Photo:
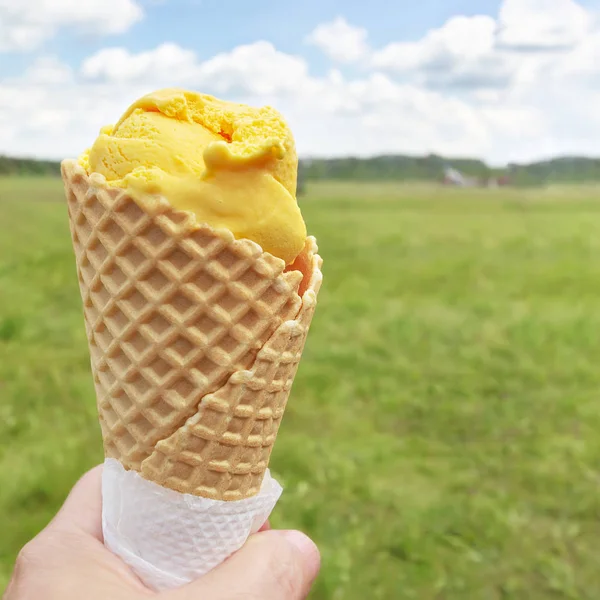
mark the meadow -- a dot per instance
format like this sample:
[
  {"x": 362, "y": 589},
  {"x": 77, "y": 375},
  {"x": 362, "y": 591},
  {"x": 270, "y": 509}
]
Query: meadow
[{"x": 442, "y": 438}]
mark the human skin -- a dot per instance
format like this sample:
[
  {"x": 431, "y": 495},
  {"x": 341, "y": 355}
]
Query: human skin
[{"x": 68, "y": 561}]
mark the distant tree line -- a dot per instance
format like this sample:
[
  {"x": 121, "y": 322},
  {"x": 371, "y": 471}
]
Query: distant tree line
[
  {"x": 392, "y": 168},
  {"x": 431, "y": 168},
  {"x": 389, "y": 168},
  {"x": 569, "y": 169},
  {"x": 27, "y": 166}
]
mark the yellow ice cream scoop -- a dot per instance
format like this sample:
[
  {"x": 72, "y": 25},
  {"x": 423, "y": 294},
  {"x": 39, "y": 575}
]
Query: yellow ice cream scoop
[{"x": 232, "y": 165}]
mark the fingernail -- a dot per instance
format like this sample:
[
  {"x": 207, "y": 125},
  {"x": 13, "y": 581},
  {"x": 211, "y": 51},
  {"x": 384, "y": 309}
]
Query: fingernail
[{"x": 305, "y": 545}]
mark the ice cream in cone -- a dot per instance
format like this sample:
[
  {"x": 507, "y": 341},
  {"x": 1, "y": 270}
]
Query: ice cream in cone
[{"x": 198, "y": 284}]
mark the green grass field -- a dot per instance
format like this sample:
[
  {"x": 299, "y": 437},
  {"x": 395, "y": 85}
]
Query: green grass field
[{"x": 443, "y": 436}]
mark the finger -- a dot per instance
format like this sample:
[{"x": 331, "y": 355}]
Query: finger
[
  {"x": 265, "y": 527},
  {"x": 82, "y": 510},
  {"x": 271, "y": 565}
]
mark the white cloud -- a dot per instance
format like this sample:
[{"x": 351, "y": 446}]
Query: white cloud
[
  {"x": 25, "y": 25},
  {"x": 582, "y": 63},
  {"x": 49, "y": 112},
  {"x": 256, "y": 68},
  {"x": 340, "y": 41},
  {"x": 331, "y": 114},
  {"x": 119, "y": 65},
  {"x": 531, "y": 43},
  {"x": 48, "y": 70},
  {"x": 462, "y": 52},
  {"x": 456, "y": 91},
  {"x": 464, "y": 37},
  {"x": 542, "y": 24}
]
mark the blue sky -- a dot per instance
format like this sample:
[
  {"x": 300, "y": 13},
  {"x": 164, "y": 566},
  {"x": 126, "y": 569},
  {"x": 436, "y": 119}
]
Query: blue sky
[
  {"x": 505, "y": 80},
  {"x": 213, "y": 26},
  {"x": 208, "y": 26}
]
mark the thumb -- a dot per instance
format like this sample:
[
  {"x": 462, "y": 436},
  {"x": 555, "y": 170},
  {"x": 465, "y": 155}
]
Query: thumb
[
  {"x": 82, "y": 510},
  {"x": 272, "y": 565}
]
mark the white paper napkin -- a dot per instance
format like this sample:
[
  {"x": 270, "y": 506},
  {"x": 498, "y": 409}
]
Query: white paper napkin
[{"x": 169, "y": 538}]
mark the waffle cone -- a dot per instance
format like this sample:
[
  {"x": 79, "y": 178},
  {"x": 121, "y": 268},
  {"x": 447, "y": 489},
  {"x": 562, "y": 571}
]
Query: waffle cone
[{"x": 194, "y": 338}]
